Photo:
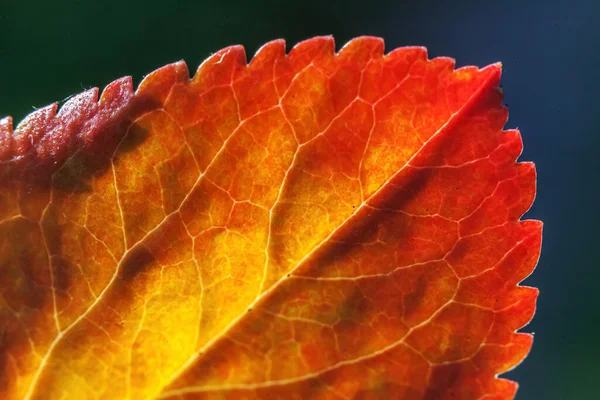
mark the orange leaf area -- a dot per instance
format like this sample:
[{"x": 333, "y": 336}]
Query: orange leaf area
[{"x": 308, "y": 225}]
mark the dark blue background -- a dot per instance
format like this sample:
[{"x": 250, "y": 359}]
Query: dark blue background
[{"x": 551, "y": 56}]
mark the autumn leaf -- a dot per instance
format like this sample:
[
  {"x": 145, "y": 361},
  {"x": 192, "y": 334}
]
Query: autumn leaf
[{"x": 310, "y": 225}]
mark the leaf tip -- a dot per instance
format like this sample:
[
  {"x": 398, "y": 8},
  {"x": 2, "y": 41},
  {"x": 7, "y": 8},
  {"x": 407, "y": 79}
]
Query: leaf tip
[{"x": 495, "y": 70}]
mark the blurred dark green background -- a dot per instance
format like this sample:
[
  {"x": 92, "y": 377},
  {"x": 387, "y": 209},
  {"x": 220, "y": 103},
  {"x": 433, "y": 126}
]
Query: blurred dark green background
[{"x": 551, "y": 55}]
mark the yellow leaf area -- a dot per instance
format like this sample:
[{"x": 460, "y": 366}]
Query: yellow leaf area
[{"x": 308, "y": 225}]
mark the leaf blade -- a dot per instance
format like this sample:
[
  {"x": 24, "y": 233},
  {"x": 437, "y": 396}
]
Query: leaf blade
[{"x": 235, "y": 170}]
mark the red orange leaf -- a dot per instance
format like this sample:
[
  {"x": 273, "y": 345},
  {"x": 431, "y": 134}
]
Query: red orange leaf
[{"x": 310, "y": 225}]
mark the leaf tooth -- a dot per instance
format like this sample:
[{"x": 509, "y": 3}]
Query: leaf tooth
[
  {"x": 448, "y": 63},
  {"x": 513, "y": 146},
  {"x": 77, "y": 109},
  {"x": 32, "y": 129},
  {"x": 6, "y": 138},
  {"x": 267, "y": 53},
  {"x": 403, "y": 52},
  {"x": 370, "y": 46},
  {"x": 315, "y": 48},
  {"x": 519, "y": 314},
  {"x": 106, "y": 113},
  {"x": 155, "y": 85},
  {"x": 220, "y": 67},
  {"x": 527, "y": 179},
  {"x": 116, "y": 94}
]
